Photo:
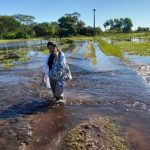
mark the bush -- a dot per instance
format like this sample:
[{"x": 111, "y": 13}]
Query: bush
[
  {"x": 9, "y": 35},
  {"x": 22, "y": 34}
]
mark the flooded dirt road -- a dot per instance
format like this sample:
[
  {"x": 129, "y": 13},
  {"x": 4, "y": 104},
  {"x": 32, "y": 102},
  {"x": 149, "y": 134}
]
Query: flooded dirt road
[{"x": 101, "y": 86}]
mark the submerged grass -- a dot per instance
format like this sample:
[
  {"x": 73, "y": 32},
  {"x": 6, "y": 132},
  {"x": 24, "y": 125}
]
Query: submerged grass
[
  {"x": 9, "y": 62},
  {"x": 22, "y": 53},
  {"x": 90, "y": 46},
  {"x": 90, "y": 52},
  {"x": 80, "y": 38},
  {"x": 98, "y": 133}
]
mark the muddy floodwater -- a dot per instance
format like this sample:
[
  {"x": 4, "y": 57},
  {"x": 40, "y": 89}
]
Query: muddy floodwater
[{"x": 101, "y": 86}]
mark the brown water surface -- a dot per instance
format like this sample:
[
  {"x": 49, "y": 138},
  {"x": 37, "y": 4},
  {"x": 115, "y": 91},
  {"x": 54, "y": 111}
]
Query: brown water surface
[{"x": 108, "y": 87}]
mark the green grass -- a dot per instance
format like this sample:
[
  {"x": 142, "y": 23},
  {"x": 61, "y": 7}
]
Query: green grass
[
  {"x": 8, "y": 66},
  {"x": 122, "y": 41},
  {"x": 24, "y": 59},
  {"x": 127, "y": 36},
  {"x": 142, "y": 48},
  {"x": 109, "y": 49}
]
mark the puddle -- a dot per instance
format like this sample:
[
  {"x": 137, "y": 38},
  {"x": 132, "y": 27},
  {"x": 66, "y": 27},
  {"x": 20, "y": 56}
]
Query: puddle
[{"x": 141, "y": 64}]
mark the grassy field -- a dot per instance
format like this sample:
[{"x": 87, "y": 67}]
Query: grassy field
[
  {"x": 142, "y": 49},
  {"x": 109, "y": 49},
  {"x": 122, "y": 41},
  {"x": 127, "y": 36}
]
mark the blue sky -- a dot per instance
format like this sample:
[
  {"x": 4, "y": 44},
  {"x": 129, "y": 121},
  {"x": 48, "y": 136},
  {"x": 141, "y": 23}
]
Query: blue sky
[{"x": 51, "y": 10}]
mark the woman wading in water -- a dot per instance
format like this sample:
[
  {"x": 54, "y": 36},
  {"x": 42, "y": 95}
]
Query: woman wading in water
[{"x": 55, "y": 69}]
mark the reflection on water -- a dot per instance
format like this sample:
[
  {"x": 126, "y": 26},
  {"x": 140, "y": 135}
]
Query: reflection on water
[
  {"x": 90, "y": 53},
  {"x": 47, "y": 129},
  {"x": 93, "y": 60},
  {"x": 132, "y": 39},
  {"x": 32, "y": 53},
  {"x": 138, "y": 60}
]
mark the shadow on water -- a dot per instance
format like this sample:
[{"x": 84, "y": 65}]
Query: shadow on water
[
  {"x": 33, "y": 107},
  {"x": 48, "y": 129}
]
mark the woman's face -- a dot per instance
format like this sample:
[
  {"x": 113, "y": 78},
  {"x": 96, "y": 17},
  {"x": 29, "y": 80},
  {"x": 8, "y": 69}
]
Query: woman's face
[{"x": 51, "y": 48}]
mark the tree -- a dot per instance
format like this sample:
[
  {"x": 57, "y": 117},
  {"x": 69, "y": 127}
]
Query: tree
[
  {"x": 98, "y": 31},
  {"x": 24, "y": 19},
  {"x": 8, "y": 25},
  {"x": 80, "y": 27},
  {"x": 106, "y": 24},
  {"x": 143, "y": 29},
  {"x": 42, "y": 29},
  {"x": 53, "y": 29},
  {"x": 109, "y": 24},
  {"x": 68, "y": 25},
  {"x": 74, "y": 14},
  {"x": 127, "y": 25},
  {"x": 118, "y": 25},
  {"x": 88, "y": 31}
]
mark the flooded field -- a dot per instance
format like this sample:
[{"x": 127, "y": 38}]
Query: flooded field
[
  {"x": 101, "y": 86},
  {"x": 22, "y": 44}
]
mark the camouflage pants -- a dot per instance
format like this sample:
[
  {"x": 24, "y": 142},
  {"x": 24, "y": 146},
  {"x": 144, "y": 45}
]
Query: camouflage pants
[{"x": 57, "y": 89}]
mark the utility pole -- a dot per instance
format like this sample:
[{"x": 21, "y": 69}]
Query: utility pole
[{"x": 94, "y": 21}]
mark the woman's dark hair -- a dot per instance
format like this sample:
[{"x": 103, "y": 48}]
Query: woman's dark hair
[
  {"x": 51, "y": 43},
  {"x": 50, "y": 61},
  {"x": 51, "y": 57}
]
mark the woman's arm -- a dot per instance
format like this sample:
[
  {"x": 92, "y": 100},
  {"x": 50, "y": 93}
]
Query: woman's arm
[{"x": 62, "y": 59}]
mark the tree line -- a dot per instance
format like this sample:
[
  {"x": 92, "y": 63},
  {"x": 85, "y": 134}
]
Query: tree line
[
  {"x": 23, "y": 26},
  {"x": 122, "y": 25}
]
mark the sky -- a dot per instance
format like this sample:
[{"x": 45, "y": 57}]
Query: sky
[{"x": 52, "y": 10}]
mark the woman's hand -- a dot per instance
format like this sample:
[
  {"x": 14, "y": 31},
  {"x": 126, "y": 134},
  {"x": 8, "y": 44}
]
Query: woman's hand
[{"x": 56, "y": 52}]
